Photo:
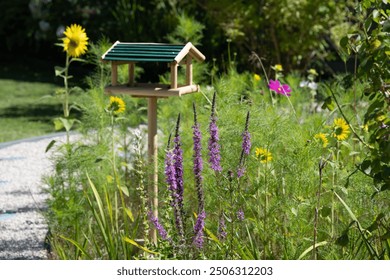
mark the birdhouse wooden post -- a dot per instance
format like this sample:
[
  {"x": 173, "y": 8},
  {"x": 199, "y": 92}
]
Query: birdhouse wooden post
[{"x": 131, "y": 53}]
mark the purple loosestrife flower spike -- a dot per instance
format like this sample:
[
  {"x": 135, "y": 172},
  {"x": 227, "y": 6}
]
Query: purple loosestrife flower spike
[
  {"x": 198, "y": 161},
  {"x": 198, "y": 229},
  {"x": 246, "y": 138},
  {"x": 170, "y": 177},
  {"x": 246, "y": 147},
  {"x": 213, "y": 145},
  {"x": 161, "y": 230},
  {"x": 178, "y": 153}
]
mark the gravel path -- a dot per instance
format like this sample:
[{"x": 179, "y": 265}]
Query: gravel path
[{"x": 22, "y": 199}]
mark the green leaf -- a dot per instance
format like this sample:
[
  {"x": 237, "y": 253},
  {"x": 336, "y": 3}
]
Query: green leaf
[
  {"x": 294, "y": 211},
  {"x": 98, "y": 200},
  {"x": 343, "y": 240},
  {"x": 125, "y": 190},
  {"x": 51, "y": 144},
  {"x": 78, "y": 59},
  {"x": 308, "y": 250},
  {"x": 328, "y": 104},
  {"x": 129, "y": 214},
  {"x": 78, "y": 246},
  {"x": 132, "y": 242},
  {"x": 351, "y": 214},
  {"x": 60, "y": 123},
  {"x": 212, "y": 236},
  {"x": 59, "y": 70}
]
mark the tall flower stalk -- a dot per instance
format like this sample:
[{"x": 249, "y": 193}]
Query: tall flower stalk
[
  {"x": 213, "y": 143},
  {"x": 198, "y": 167},
  {"x": 178, "y": 163},
  {"x": 246, "y": 148},
  {"x": 198, "y": 161},
  {"x": 170, "y": 175},
  {"x": 172, "y": 178},
  {"x": 264, "y": 156},
  {"x": 74, "y": 44}
]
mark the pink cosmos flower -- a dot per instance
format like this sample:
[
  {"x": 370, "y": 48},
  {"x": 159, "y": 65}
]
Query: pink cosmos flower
[{"x": 279, "y": 88}]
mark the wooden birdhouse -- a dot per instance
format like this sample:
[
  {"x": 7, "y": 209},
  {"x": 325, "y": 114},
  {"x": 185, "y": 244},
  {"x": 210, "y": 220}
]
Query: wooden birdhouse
[{"x": 174, "y": 55}]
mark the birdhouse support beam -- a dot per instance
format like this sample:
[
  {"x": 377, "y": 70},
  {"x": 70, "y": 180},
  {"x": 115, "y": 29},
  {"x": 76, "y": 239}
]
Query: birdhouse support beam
[
  {"x": 114, "y": 74},
  {"x": 174, "y": 75},
  {"x": 131, "y": 74},
  {"x": 152, "y": 154},
  {"x": 189, "y": 71}
]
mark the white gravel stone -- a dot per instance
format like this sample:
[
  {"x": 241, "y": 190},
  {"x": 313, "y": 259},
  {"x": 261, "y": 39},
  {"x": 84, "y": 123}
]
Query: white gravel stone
[{"x": 23, "y": 228}]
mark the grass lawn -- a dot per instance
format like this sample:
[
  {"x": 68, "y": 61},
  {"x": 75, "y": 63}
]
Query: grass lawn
[
  {"x": 27, "y": 100},
  {"x": 24, "y": 112}
]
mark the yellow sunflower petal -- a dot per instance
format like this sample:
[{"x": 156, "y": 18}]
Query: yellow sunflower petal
[
  {"x": 117, "y": 105},
  {"x": 75, "y": 40},
  {"x": 263, "y": 155},
  {"x": 340, "y": 129}
]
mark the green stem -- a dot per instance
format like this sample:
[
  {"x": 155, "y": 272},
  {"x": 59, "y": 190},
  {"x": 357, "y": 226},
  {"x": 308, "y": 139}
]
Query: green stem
[
  {"x": 292, "y": 107},
  {"x": 113, "y": 142},
  {"x": 66, "y": 96},
  {"x": 265, "y": 212},
  {"x": 265, "y": 75}
]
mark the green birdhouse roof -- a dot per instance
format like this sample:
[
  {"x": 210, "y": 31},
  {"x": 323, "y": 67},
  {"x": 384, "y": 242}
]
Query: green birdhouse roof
[{"x": 151, "y": 52}]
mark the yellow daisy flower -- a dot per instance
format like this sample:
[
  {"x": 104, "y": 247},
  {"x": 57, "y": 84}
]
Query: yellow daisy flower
[
  {"x": 278, "y": 67},
  {"x": 263, "y": 155},
  {"x": 322, "y": 138},
  {"x": 257, "y": 77},
  {"x": 340, "y": 129},
  {"x": 117, "y": 105},
  {"x": 312, "y": 71},
  {"x": 76, "y": 40}
]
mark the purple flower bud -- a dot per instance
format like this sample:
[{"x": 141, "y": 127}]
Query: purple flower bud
[
  {"x": 246, "y": 142},
  {"x": 213, "y": 145},
  {"x": 178, "y": 156},
  {"x": 240, "y": 171},
  {"x": 198, "y": 230},
  {"x": 161, "y": 230},
  {"x": 170, "y": 177},
  {"x": 240, "y": 215}
]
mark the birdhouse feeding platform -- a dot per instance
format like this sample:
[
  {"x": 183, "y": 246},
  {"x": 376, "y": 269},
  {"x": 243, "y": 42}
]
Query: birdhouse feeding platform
[{"x": 175, "y": 55}]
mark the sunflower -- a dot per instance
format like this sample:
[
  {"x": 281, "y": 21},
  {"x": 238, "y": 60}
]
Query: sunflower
[
  {"x": 322, "y": 138},
  {"x": 263, "y": 155},
  {"x": 76, "y": 40},
  {"x": 340, "y": 129},
  {"x": 117, "y": 105}
]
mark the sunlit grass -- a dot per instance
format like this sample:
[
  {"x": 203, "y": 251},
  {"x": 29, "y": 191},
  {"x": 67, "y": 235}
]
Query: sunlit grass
[{"x": 27, "y": 109}]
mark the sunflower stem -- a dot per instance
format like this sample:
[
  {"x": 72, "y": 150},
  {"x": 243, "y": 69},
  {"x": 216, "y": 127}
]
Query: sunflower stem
[{"x": 66, "y": 97}]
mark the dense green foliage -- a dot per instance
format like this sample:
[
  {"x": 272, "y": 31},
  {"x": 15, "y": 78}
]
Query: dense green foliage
[
  {"x": 298, "y": 34},
  {"x": 309, "y": 201},
  {"x": 370, "y": 44}
]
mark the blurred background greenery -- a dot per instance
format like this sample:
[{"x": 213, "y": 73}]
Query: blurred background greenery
[{"x": 294, "y": 33}]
